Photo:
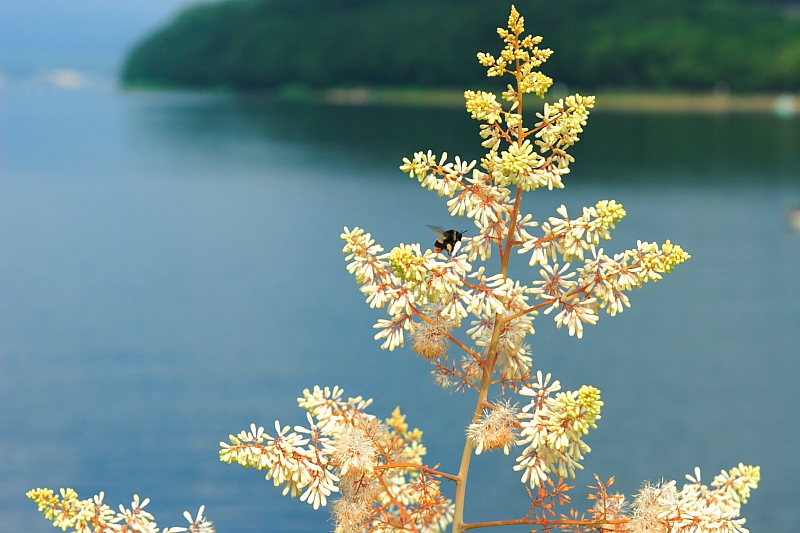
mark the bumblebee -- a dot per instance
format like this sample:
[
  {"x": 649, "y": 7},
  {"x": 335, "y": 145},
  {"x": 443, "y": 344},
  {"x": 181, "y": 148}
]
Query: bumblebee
[{"x": 447, "y": 239}]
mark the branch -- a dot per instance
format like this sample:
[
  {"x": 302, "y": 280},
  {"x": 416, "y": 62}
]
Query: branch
[
  {"x": 545, "y": 523},
  {"x": 526, "y": 311},
  {"x": 421, "y": 468},
  {"x": 505, "y": 253},
  {"x": 400, "y": 506},
  {"x": 544, "y": 304},
  {"x": 466, "y": 349},
  {"x": 446, "y": 370}
]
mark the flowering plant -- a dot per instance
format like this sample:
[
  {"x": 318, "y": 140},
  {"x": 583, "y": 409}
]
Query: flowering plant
[{"x": 376, "y": 466}]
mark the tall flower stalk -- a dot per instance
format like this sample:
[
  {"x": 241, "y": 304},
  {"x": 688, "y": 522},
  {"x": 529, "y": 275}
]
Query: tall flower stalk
[{"x": 373, "y": 471}]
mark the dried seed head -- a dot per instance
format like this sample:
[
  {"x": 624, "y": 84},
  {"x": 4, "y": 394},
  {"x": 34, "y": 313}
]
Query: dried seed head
[
  {"x": 430, "y": 338},
  {"x": 499, "y": 428},
  {"x": 354, "y": 453}
]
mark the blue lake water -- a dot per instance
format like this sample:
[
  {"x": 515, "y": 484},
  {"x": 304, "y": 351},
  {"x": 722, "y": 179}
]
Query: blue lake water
[{"x": 171, "y": 271}]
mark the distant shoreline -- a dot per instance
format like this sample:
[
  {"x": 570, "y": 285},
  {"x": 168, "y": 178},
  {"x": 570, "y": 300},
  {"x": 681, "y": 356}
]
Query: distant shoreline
[
  {"x": 784, "y": 105},
  {"x": 617, "y": 102}
]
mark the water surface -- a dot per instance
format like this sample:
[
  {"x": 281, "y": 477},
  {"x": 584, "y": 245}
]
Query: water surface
[{"x": 171, "y": 271}]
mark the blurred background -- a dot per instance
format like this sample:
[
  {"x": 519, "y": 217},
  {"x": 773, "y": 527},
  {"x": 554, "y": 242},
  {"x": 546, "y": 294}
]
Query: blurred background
[{"x": 174, "y": 178}]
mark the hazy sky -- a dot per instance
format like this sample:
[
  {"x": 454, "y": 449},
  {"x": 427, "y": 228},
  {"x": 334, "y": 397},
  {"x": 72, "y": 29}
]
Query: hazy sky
[{"x": 87, "y": 35}]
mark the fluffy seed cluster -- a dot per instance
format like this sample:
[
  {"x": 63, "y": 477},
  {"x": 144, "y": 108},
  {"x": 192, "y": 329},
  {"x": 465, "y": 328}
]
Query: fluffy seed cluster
[
  {"x": 431, "y": 336},
  {"x": 354, "y": 508},
  {"x": 498, "y": 428},
  {"x": 354, "y": 453}
]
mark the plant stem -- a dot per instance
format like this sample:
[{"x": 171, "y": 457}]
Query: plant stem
[
  {"x": 421, "y": 468},
  {"x": 486, "y": 382},
  {"x": 466, "y": 458},
  {"x": 492, "y": 352},
  {"x": 544, "y": 523}
]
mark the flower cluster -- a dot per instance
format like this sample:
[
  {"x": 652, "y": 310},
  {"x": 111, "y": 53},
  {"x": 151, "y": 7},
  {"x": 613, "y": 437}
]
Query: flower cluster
[
  {"x": 553, "y": 426},
  {"x": 496, "y": 295},
  {"x": 696, "y": 507},
  {"x": 376, "y": 467},
  {"x": 290, "y": 459},
  {"x": 406, "y": 280},
  {"x": 524, "y": 53},
  {"x": 421, "y": 288},
  {"x": 93, "y": 516}
]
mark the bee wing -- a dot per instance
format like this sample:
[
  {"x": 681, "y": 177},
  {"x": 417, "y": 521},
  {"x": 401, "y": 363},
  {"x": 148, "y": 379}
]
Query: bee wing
[{"x": 437, "y": 230}]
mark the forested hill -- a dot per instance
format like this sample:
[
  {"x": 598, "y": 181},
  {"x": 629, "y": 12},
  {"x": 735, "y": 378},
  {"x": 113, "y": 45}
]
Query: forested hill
[{"x": 650, "y": 44}]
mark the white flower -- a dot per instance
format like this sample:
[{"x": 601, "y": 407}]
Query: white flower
[
  {"x": 322, "y": 403},
  {"x": 540, "y": 389},
  {"x": 574, "y": 313},
  {"x": 198, "y": 524},
  {"x": 377, "y": 294},
  {"x": 319, "y": 437},
  {"x": 627, "y": 276},
  {"x": 136, "y": 518},
  {"x": 489, "y": 295},
  {"x": 392, "y": 331},
  {"x": 321, "y": 485},
  {"x": 556, "y": 283},
  {"x": 283, "y": 459},
  {"x": 420, "y": 166}
]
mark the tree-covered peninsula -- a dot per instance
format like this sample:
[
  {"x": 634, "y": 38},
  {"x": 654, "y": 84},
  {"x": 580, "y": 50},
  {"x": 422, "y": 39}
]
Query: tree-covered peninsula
[{"x": 250, "y": 45}]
